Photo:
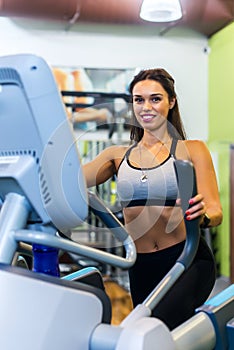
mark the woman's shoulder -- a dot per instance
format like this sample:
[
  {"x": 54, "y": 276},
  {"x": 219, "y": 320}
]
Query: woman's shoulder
[
  {"x": 195, "y": 144},
  {"x": 196, "y": 148},
  {"x": 190, "y": 149},
  {"x": 116, "y": 151},
  {"x": 118, "y": 148}
]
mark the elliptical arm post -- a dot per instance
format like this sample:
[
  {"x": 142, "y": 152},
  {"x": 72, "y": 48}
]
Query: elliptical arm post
[
  {"x": 187, "y": 184},
  {"x": 107, "y": 217}
]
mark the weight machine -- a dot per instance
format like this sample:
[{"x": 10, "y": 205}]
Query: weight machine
[{"x": 43, "y": 192}]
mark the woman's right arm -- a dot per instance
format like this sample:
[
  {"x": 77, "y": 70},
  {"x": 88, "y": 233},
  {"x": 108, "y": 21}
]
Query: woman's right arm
[{"x": 102, "y": 167}]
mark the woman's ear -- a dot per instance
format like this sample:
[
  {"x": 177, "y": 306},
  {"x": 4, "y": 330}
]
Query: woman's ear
[{"x": 172, "y": 103}]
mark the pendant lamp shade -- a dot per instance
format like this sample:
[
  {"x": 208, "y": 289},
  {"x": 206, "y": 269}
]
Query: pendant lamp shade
[{"x": 161, "y": 10}]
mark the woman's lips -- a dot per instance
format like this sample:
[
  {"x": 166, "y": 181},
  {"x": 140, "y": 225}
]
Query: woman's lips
[{"x": 147, "y": 117}]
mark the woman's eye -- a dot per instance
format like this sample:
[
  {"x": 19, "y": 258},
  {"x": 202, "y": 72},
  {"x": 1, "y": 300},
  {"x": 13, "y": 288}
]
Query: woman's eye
[
  {"x": 156, "y": 99},
  {"x": 138, "y": 99}
]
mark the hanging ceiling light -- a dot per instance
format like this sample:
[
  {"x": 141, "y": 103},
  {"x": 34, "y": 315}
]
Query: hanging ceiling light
[{"x": 161, "y": 10}]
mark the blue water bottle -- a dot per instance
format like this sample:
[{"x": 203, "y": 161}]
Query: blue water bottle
[{"x": 45, "y": 260}]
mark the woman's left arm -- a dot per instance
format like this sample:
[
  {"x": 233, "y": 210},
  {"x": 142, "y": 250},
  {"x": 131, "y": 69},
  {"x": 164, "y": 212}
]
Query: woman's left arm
[{"x": 206, "y": 203}]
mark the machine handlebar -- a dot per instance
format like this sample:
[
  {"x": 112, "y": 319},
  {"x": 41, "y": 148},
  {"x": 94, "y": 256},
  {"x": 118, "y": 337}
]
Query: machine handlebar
[{"x": 186, "y": 179}]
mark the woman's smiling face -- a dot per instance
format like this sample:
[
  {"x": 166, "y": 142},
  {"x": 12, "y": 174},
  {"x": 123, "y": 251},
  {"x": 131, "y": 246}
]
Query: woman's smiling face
[{"x": 150, "y": 103}]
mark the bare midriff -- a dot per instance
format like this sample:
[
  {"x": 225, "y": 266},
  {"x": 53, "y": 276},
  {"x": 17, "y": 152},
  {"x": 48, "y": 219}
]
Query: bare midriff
[{"x": 154, "y": 228}]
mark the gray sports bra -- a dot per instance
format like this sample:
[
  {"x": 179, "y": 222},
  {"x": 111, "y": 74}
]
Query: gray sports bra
[{"x": 160, "y": 188}]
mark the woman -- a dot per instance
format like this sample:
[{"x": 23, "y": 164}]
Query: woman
[{"x": 147, "y": 189}]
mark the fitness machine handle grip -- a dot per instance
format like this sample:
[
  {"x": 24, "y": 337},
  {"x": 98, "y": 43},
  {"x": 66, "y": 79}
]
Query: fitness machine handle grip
[
  {"x": 186, "y": 178},
  {"x": 107, "y": 217}
]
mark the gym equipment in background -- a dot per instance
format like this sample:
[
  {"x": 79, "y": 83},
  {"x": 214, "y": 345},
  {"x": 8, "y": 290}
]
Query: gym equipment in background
[{"x": 42, "y": 191}]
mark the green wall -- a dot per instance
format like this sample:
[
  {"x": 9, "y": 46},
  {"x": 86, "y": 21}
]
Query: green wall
[{"x": 221, "y": 127}]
